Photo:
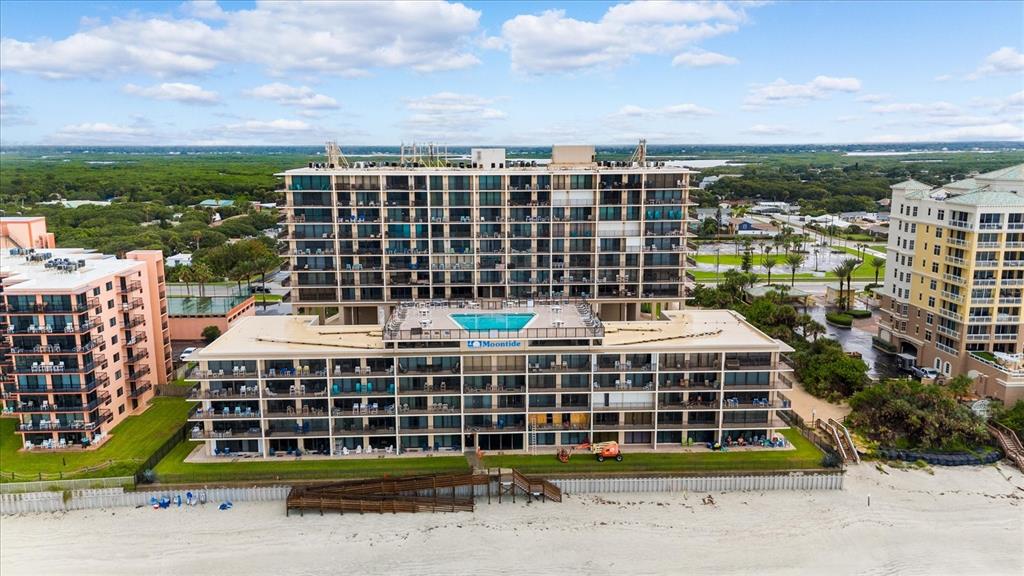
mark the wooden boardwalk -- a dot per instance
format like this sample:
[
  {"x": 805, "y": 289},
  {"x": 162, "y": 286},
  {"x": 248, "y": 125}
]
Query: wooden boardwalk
[{"x": 430, "y": 493}]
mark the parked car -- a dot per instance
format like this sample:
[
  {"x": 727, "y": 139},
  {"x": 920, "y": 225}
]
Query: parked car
[
  {"x": 259, "y": 290},
  {"x": 923, "y": 373},
  {"x": 187, "y": 352}
]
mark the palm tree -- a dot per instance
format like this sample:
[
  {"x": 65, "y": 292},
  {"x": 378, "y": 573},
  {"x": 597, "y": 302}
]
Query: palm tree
[
  {"x": 794, "y": 260},
  {"x": 187, "y": 275},
  {"x": 877, "y": 263},
  {"x": 844, "y": 271},
  {"x": 813, "y": 329},
  {"x": 770, "y": 263},
  {"x": 709, "y": 227},
  {"x": 201, "y": 274}
]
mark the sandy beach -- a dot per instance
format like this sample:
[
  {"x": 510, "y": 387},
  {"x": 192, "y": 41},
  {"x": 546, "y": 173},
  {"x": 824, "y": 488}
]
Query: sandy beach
[{"x": 955, "y": 521}]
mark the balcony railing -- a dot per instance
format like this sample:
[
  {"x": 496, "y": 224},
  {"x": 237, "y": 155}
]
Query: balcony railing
[
  {"x": 140, "y": 389},
  {"x": 49, "y": 308},
  {"x": 66, "y": 329},
  {"x": 131, "y": 304},
  {"x": 57, "y": 426},
  {"x": 139, "y": 373},
  {"x": 133, "y": 286}
]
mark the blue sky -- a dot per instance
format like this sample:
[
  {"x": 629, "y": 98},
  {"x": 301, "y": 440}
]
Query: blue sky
[{"x": 512, "y": 73}]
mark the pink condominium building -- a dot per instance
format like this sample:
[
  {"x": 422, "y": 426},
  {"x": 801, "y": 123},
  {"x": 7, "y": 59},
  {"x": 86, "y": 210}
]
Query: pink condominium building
[{"x": 83, "y": 336}]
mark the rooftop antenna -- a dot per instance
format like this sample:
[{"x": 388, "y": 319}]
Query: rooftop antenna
[
  {"x": 640, "y": 154},
  {"x": 334, "y": 155}
]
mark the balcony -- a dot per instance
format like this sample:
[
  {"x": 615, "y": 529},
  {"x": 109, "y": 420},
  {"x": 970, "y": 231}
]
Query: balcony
[
  {"x": 954, "y": 260},
  {"x": 953, "y": 297},
  {"x": 1006, "y": 337},
  {"x": 57, "y": 426},
  {"x": 138, "y": 356},
  {"x": 134, "y": 338},
  {"x": 57, "y": 349},
  {"x": 254, "y": 432},
  {"x": 954, "y": 279},
  {"x": 990, "y": 225},
  {"x": 56, "y": 367},
  {"x": 947, "y": 331},
  {"x": 140, "y": 389},
  {"x": 65, "y": 329},
  {"x": 131, "y": 304},
  {"x": 1011, "y": 282},
  {"x": 132, "y": 286},
  {"x": 101, "y": 381},
  {"x": 943, "y": 348},
  {"x": 1013, "y": 263},
  {"x": 986, "y": 263},
  {"x": 956, "y": 242},
  {"x": 133, "y": 321},
  {"x": 47, "y": 308},
  {"x": 951, "y": 315},
  {"x": 960, "y": 224},
  {"x": 138, "y": 373}
]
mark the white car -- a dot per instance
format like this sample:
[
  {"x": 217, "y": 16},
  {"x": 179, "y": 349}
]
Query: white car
[{"x": 187, "y": 352}]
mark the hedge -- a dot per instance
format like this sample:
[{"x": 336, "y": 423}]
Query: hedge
[
  {"x": 843, "y": 320},
  {"x": 859, "y": 313}
]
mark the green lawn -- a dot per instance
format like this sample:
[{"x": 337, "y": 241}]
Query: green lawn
[
  {"x": 131, "y": 443},
  {"x": 268, "y": 298},
  {"x": 805, "y": 456},
  {"x": 174, "y": 469},
  {"x": 863, "y": 272}
]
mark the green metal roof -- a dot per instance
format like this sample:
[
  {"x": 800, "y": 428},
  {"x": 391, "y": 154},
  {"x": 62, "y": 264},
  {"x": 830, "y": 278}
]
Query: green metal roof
[
  {"x": 987, "y": 198},
  {"x": 1009, "y": 173}
]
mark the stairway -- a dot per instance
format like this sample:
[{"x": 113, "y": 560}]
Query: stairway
[{"x": 1009, "y": 442}]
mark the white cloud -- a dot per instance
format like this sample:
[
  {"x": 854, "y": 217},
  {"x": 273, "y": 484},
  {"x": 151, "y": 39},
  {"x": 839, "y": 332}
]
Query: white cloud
[
  {"x": 103, "y": 133},
  {"x": 177, "y": 91},
  {"x": 633, "y": 111},
  {"x": 996, "y": 131},
  {"x": 871, "y": 98},
  {"x": 928, "y": 109},
  {"x": 204, "y": 9},
  {"x": 298, "y": 96},
  {"x": 553, "y": 42},
  {"x": 345, "y": 38},
  {"x": 703, "y": 59},
  {"x": 781, "y": 91},
  {"x": 770, "y": 130},
  {"x": 261, "y": 127},
  {"x": 1006, "y": 60},
  {"x": 450, "y": 116}
]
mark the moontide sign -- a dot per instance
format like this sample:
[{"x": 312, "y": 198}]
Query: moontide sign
[{"x": 492, "y": 344}]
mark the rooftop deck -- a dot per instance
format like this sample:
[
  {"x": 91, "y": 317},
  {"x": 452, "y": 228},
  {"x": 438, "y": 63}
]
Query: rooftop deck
[{"x": 551, "y": 319}]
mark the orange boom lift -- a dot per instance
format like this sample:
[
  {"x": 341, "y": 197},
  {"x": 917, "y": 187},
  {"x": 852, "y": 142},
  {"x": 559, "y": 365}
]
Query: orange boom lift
[{"x": 602, "y": 450}]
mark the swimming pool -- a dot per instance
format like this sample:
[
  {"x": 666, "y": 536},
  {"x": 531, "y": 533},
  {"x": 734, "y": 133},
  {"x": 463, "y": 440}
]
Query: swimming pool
[{"x": 494, "y": 321}]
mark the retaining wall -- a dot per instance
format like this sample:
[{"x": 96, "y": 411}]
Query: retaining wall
[
  {"x": 117, "y": 497},
  {"x": 702, "y": 483}
]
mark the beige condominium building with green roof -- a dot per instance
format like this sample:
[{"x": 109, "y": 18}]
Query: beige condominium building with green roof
[{"x": 954, "y": 279}]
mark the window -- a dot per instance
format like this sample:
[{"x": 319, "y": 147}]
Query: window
[
  {"x": 120, "y": 409},
  {"x": 914, "y": 213},
  {"x": 936, "y": 250},
  {"x": 113, "y": 322},
  {"x": 946, "y": 368},
  {"x": 929, "y": 319},
  {"x": 110, "y": 304},
  {"x": 110, "y": 286},
  {"x": 931, "y": 301},
  {"x": 938, "y": 232},
  {"x": 120, "y": 392},
  {"x": 96, "y": 291},
  {"x": 942, "y": 215},
  {"x": 117, "y": 375},
  {"x": 935, "y": 267},
  {"x": 932, "y": 284},
  {"x": 928, "y": 335},
  {"x": 113, "y": 339},
  {"x": 117, "y": 356}
]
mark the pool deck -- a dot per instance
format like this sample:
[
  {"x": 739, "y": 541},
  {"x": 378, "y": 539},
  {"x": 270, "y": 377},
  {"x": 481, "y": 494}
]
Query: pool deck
[{"x": 439, "y": 317}]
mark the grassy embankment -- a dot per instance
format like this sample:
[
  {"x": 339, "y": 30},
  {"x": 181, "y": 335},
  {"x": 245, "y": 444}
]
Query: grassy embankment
[{"x": 131, "y": 443}]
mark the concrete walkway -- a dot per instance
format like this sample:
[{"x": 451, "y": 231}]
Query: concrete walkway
[{"x": 810, "y": 407}]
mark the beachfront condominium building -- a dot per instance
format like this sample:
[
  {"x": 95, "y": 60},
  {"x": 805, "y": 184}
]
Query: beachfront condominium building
[
  {"x": 498, "y": 375},
  {"x": 954, "y": 279},
  {"x": 365, "y": 237},
  {"x": 84, "y": 335}
]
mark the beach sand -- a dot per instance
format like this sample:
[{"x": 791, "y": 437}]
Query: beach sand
[{"x": 958, "y": 521}]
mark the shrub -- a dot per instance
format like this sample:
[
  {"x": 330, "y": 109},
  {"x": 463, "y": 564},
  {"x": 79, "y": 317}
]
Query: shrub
[
  {"x": 211, "y": 333},
  {"x": 843, "y": 320},
  {"x": 908, "y": 414},
  {"x": 859, "y": 313}
]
